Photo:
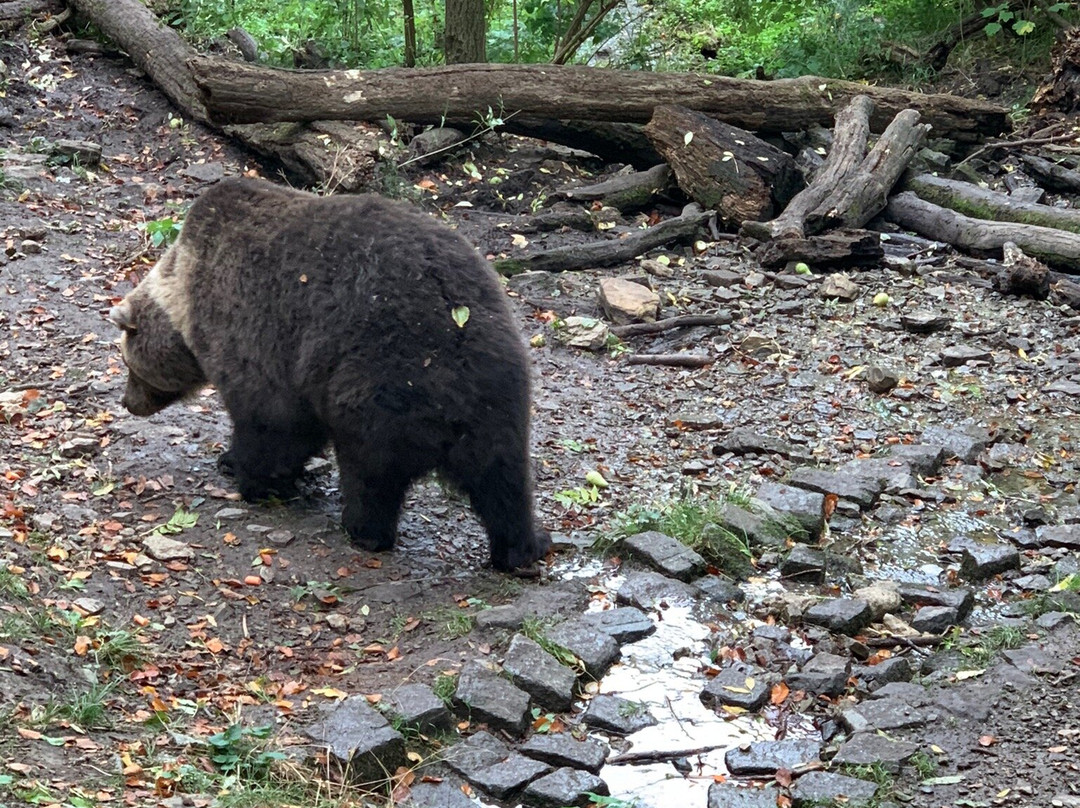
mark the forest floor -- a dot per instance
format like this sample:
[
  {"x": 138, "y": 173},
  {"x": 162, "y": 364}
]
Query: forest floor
[{"x": 116, "y": 666}]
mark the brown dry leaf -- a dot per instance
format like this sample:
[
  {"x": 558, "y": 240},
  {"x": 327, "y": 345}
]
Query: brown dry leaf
[
  {"x": 215, "y": 646},
  {"x": 393, "y": 653},
  {"x": 987, "y": 740},
  {"x": 82, "y": 645},
  {"x": 29, "y": 734},
  {"x": 784, "y": 777},
  {"x": 830, "y": 504},
  {"x": 779, "y": 694}
]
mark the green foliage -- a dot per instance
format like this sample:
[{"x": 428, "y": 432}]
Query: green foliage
[
  {"x": 161, "y": 232},
  {"x": 239, "y": 751},
  {"x": 180, "y": 521},
  {"x": 694, "y": 522},
  {"x": 998, "y": 638},
  {"x": 444, "y": 687},
  {"x": 87, "y": 710}
]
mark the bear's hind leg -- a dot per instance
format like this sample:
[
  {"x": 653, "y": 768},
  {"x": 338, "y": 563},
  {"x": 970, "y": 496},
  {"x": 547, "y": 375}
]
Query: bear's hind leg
[
  {"x": 267, "y": 459},
  {"x": 498, "y": 481},
  {"x": 372, "y": 503}
]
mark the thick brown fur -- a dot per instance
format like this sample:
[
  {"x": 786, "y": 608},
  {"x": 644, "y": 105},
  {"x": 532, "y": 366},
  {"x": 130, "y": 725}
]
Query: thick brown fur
[{"x": 331, "y": 319}]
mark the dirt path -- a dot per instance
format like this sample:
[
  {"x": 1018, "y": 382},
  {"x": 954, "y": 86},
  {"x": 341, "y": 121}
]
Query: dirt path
[{"x": 264, "y": 613}]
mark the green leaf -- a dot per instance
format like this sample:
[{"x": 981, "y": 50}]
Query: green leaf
[
  {"x": 1024, "y": 27},
  {"x": 595, "y": 478},
  {"x": 460, "y": 315},
  {"x": 993, "y": 29}
]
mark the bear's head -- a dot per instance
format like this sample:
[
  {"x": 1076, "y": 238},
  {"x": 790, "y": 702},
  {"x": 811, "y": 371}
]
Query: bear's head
[{"x": 161, "y": 367}]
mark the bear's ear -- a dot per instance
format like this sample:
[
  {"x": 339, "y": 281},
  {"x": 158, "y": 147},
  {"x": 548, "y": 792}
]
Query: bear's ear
[{"x": 121, "y": 315}]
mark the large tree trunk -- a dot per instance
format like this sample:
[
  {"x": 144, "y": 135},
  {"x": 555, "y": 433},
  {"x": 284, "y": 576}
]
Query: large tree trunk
[
  {"x": 335, "y": 154},
  {"x": 845, "y": 156},
  {"x": 1056, "y": 247},
  {"x": 864, "y": 192},
  {"x": 722, "y": 167},
  {"x": 240, "y": 93},
  {"x": 464, "y": 39},
  {"x": 409, "y": 16}
]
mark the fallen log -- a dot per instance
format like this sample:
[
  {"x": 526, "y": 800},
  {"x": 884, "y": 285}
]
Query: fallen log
[
  {"x": 981, "y": 203},
  {"x": 14, "y": 13},
  {"x": 608, "y": 251},
  {"x": 236, "y": 92},
  {"x": 1058, "y": 248},
  {"x": 629, "y": 191},
  {"x": 864, "y": 192},
  {"x": 847, "y": 153},
  {"x": 722, "y": 167},
  {"x": 1052, "y": 175},
  {"x": 333, "y": 154},
  {"x": 682, "y": 321},
  {"x": 1021, "y": 274},
  {"x": 612, "y": 142},
  {"x": 671, "y": 360},
  {"x": 836, "y": 249}
]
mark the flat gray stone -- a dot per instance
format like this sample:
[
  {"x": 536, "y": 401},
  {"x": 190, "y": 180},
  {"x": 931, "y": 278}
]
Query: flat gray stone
[
  {"x": 882, "y": 596},
  {"x": 163, "y": 548},
  {"x": 564, "y": 787},
  {"x": 805, "y": 507},
  {"x": 539, "y": 674},
  {"x": 1059, "y": 536},
  {"x": 966, "y": 444},
  {"x": 563, "y": 749},
  {"x": 766, "y": 757},
  {"x": 869, "y": 748},
  {"x": 720, "y": 589},
  {"x": 823, "y": 673},
  {"x": 596, "y": 650},
  {"x": 743, "y": 440},
  {"x": 893, "y": 669},
  {"x": 416, "y": 705},
  {"x": 956, "y": 355},
  {"x": 804, "y": 563},
  {"x": 437, "y": 795},
  {"x": 618, "y": 715},
  {"x": 841, "y": 615},
  {"x": 922, "y": 459},
  {"x": 510, "y": 616},
  {"x": 935, "y": 619},
  {"x": 862, "y": 490},
  {"x": 829, "y": 788},
  {"x": 647, "y": 590},
  {"x": 204, "y": 172},
  {"x": 737, "y": 688},
  {"x": 981, "y": 560},
  {"x": 913, "y": 694},
  {"x": 625, "y": 624},
  {"x": 736, "y": 795},
  {"x": 919, "y": 595},
  {"x": 357, "y": 736},
  {"x": 886, "y": 714},
  {"x": 488, "y": 763},
  {"x": 665, "y": 554},
  {"x": 754, "y": 529},
  {"x": 484, "y": 695}
]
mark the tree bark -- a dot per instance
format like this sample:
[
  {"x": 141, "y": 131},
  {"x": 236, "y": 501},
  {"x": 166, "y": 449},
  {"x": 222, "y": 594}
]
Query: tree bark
[
  {"x": 610, "y": 141},
  {"x": 409, "y": 16},
  {"x": 1056, "y": 247},
  {"x": 847, "y": 153},
  {"x": 722, "y": 167},
  {"x": 625, "y": 191},
  {"x": 863, "y": 194},
  {"x": 840, "y": 248},
  {"x": 336, "y": 154},
  {"x": 660, "y": 326},
  {"x": 464, "y": 39},
  {"x": 239, "y": 93},
  {"x": 1052, "y": 175},
  {"x": 971, "y": 200},
  {"x": 608, "y": 251},
  {"x": 1061, "y": 91},
  {"x": 14, "y": 13}
]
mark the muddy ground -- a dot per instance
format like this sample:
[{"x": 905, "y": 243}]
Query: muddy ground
[{"x": 272, "y": 613}]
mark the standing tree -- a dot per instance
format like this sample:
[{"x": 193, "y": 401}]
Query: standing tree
[
  {"x": 410, "y": 33},
  {"x": 465, "y": 36}
]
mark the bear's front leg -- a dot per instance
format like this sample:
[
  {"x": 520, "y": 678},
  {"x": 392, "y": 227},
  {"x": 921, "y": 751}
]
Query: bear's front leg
[{"x": 265, "y": 460}]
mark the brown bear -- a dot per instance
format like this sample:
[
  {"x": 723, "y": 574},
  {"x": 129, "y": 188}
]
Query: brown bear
[{"x": 352, "y": 320}]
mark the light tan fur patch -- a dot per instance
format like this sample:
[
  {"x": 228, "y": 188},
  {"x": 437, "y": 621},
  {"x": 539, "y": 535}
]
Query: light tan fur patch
[{"x": 167, "y": 284}]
